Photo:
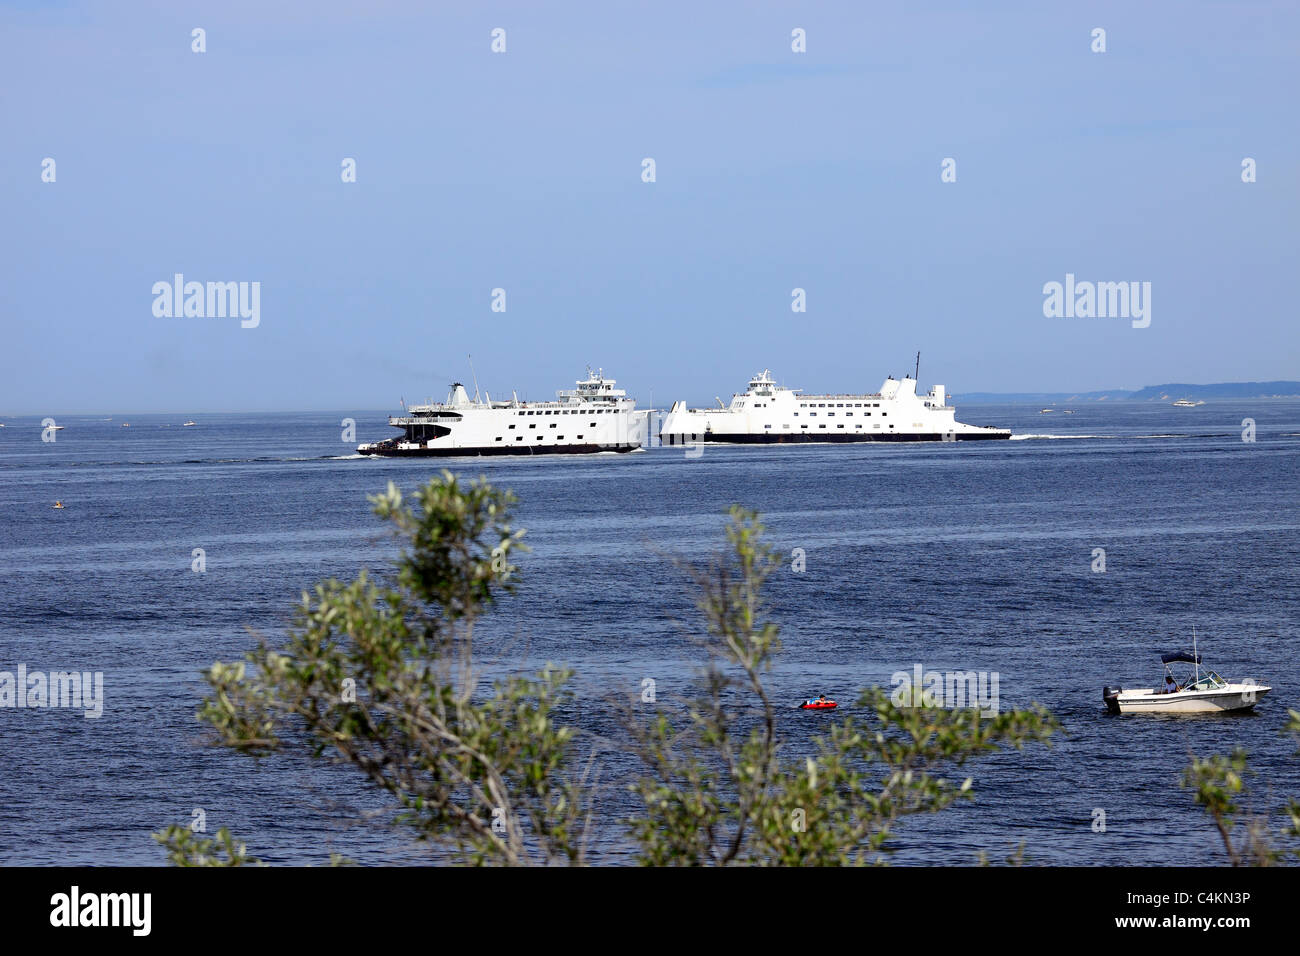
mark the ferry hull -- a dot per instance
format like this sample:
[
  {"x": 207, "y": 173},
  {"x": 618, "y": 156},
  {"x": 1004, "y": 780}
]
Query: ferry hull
[
  {"x": 809, "y": 439},
  {"x": 499, "y": 450}
]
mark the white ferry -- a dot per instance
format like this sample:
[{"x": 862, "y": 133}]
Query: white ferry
[
  {"x": 593, "y": 417},
  {"x": 770, "y": 413}
]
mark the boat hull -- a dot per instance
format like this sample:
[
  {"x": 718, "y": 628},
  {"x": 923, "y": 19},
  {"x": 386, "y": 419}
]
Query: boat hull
[
  {"x": 756, "y": 438},
  {"x": 1184, "y": 702},
  {"x": 488, "y": 450}
]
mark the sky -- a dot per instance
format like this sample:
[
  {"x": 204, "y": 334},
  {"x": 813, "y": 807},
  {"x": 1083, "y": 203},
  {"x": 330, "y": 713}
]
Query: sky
[{"x": 523, "y": 171}]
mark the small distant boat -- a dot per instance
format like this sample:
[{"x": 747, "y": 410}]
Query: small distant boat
[
  {"x": 1068, "y": 411},
  {"x": 126, "y": 424},
  {"x": 58, "y": 504},
  {"x": 1200, "y": 692},
  {"x": 818, "y": 703},
  {"x": 1186, "y": 403},
  {"x": 188, "y": 424},
  {"x": 1046, "y": 411}
]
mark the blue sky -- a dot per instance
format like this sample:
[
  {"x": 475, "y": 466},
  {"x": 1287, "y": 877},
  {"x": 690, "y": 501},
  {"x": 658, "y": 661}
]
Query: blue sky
[{"x": 522, "y": 171}]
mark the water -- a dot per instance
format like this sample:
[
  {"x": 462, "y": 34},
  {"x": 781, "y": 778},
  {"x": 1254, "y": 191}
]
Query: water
[{"x": 970, "y": 556}]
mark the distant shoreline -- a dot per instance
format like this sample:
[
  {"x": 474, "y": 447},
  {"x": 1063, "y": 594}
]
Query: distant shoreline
[
  {"x": 1254, "y": 391},
  {"x": 1171, "y": 392}
]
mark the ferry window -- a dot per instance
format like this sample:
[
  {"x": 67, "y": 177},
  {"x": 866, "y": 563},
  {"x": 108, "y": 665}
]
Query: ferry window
[
  {"x": 532, "y": 424},
  {"x": 839, "y": 426},
  {"x": 767, "y": 426},
  {"x": 884, "y": 414},
  {"x": 498, "y": 438},
  {"x": 868, "y": 414},
  {"x": 786, "y": 425},
  {"x": 559, "y": 438},
  {"x": 593, "y": 424},
  {"x": 552, "y": 424},
  {"x": 512, "y": 426},
  {"x": 830, "y": 414},
  {"x": 848, "y": 414},
  {"x": 841, "y": 405},
  {"x": 821, "y": 426},
  {"x": 579, "y": 438},
  {"x": 803, "y": 426},
  {"x": 796, "y": 414},
  {"x": 519, "y": 438},
  {"x": 813, "y": 414}
]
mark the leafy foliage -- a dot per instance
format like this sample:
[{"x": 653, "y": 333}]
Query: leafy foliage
[
  {"x": 715, "y": 792},
  {"x": 187, "y": 848},
  {"x": 1219, "y": 785},
  {"x": 382, "y": 678}
]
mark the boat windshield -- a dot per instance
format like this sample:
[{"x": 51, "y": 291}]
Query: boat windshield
[
  {"x": 1208, "y": 681},
  {"x": 1195, "y": 678}
]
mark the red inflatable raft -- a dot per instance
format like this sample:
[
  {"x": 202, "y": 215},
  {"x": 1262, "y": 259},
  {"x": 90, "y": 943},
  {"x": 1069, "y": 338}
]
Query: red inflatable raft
[{"x": 818, "y": 705}]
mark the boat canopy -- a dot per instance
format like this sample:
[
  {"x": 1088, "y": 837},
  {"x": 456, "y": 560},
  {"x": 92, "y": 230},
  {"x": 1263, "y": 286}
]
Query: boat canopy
[{"x": 1184, "y": 657}]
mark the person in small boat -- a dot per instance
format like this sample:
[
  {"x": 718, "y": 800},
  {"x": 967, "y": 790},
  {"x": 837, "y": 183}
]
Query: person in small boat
[{"x": 1171, "y": 685}]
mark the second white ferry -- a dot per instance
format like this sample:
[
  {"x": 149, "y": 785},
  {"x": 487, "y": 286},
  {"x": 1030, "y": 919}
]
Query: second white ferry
[
  {"x": 593, "y": 417},
  {"x": 770, "y": 413}
]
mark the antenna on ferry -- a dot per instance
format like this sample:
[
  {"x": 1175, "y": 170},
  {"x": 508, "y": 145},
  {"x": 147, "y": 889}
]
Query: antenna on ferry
[
  {"x": 917, "y": 376},
  {"x": 474, "y": 374}
]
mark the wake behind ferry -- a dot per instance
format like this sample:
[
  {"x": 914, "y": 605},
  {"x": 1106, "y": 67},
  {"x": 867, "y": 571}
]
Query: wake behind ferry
[
  {"x": 593, "y": 417},
  {"x": 770, "y": 413}
]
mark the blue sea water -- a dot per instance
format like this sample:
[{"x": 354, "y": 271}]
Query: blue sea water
[{"x": 966, "y": 556}]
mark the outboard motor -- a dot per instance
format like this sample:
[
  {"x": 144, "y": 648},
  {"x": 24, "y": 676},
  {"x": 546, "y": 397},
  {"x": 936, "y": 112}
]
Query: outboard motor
[{"x": 1111, "y": 697}]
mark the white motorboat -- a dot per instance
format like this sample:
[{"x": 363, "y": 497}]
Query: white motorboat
[{"x": 1200, "y": 692}]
